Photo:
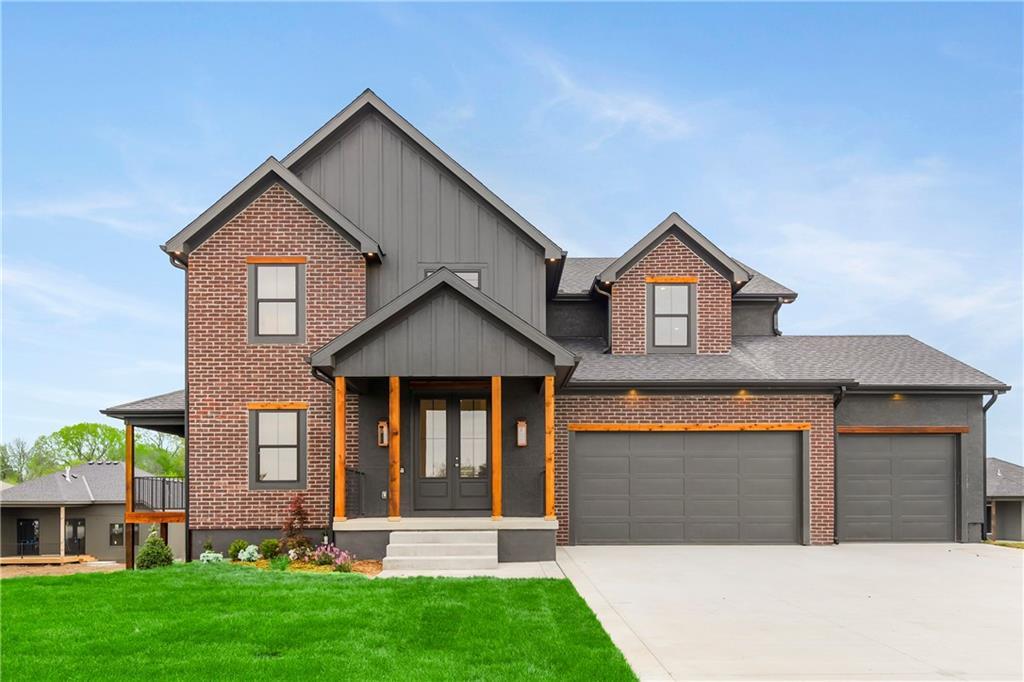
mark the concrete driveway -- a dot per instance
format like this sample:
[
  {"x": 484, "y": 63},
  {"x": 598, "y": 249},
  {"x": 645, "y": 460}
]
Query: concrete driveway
[{"x": 851, "y": 611}]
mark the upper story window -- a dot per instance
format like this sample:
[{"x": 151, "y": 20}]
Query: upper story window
[
  {"x": 671, "y": 317},
  {"x": 277, "y": 301},
  {"x": 471, "y": 277},
  {"x": 277, "y": 457}
]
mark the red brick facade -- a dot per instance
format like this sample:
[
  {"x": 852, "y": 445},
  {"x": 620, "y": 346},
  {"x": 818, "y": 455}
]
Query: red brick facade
[
  {"x": 671, "y": 258},
  {"x": 225, "y": 372},
  {"x": 643, "y": 409}
]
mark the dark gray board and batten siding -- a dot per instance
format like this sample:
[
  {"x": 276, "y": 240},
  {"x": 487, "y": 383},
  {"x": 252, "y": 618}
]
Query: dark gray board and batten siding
[
  {"x": 423, "y": 216},
  {"x": 445, "y": 336}
]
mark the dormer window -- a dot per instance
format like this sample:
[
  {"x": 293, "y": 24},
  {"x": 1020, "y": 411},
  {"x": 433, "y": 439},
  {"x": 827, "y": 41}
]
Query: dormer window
[
  {"x": 671, "y": 326},
  {"x": 277, "y": 300}
]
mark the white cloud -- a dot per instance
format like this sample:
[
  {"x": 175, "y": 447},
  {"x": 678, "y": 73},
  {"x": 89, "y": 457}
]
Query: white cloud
[{"x": 119, "y": 212}]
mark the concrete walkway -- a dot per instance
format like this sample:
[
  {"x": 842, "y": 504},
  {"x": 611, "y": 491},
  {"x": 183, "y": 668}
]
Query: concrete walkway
[{"x": 850, "y": 612}]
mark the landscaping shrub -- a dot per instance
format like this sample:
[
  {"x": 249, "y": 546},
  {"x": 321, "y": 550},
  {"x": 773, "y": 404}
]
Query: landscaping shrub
[
  {"x": 295, "y": 525},
  {"x": 300, "y": 553},
  {"x": 235, "y": 547},
  {"x": 270, "y": 548},
  {"x": 329, "y": 555},
  {"x": 211, "y": 557},
  {"x": 280, "y": 563},
  {"x": 154, "y": 553},
  {"x": 208, "y": 545},
  {"x": 250, "y": 553}
]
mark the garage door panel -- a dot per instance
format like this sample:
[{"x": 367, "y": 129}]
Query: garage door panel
[
  {"x": 693, "y": 487},
  {"x": 897, "y": 487}
]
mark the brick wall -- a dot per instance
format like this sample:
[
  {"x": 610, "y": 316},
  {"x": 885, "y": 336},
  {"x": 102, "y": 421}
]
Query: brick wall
[
  {"x": 671, "y": 258},
  {"x": 644, "y": 409},
  {"x": 225, "y": 372}
]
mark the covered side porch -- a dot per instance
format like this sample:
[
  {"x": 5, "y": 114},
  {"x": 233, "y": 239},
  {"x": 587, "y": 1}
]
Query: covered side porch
[{"x": 444, "y": 421}]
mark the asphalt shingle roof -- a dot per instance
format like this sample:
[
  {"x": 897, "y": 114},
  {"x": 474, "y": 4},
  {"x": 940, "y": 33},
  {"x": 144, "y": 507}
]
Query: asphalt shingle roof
[
  {"x": 165, "y": 402},
  {"x": 884, "y": 361},
  {"x": 1005, "y": 479},
  {"x": 92, "y": 482},
  {"x": 579, "y": 273}
]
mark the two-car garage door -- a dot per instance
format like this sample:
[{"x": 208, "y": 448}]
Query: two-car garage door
[{"x": 686, "y": 487}]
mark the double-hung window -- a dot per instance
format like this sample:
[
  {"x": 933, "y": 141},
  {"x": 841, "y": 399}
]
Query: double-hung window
[
  {"x": 671, "y": 317},
  {"x": 277, "y": 457},
  {"x": 276, "y": 302}
]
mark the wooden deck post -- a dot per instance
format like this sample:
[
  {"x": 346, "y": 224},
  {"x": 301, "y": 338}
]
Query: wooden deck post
[
  {"x": 129, "y": 495},
  {"x": 163, "y": 532},
  {"x": 496, "y": 448},
  {"x": 63, "y": 534},
  {"x": 129, "y": 546},
  {"x": 549, "y": 447},
  {"x": 394, "y": 449},
  {"x": 339, "y": 448}
]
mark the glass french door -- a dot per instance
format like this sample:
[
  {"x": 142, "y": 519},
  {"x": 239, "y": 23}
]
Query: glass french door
[
  {"x": 74, "y": 536},
  {"x": 451, "y": 460}
]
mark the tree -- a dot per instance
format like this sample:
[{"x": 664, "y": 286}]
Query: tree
[
  {"x": 86, "y": 442},
  {"x": 14, "y": 461},
  {"x": 160, "y": 454},
  {"x": 295, "y": 524}
]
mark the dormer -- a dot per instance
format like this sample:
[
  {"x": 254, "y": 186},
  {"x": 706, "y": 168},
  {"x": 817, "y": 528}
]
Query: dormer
[{"x": 672, "y": 292}]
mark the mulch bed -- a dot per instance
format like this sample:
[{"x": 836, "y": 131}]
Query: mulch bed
[{"x": 369, "y": 567}]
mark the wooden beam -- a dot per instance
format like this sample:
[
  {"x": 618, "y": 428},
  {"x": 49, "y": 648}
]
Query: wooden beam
[
  {"x": 155, "y": 517},
  {"x": 549, "y": 447},
  {"x": 903, "y": 429},
  {"x": 449, "y": 385},
  {"x": 129, "y": 546},
  {"x": 672, "y": 280},
  {"x": 495, "y": 448},
  {"x": 742, "y": 426},
  {"x": 339, "y": 448},
  {"x": 163, "y": 532},
  {"x": 275, "y": 260},
  {"x": 293, "y": 405},
  {"x": 129, "y": 468},
  {"x": 394, "y": 449},
  {"x": 63, "y": 531}
]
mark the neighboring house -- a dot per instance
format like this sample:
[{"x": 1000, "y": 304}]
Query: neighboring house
[
  {"x": 76, "y": 511},
  {"x": 368, "y": 324},
  {"x": 1005, "y": 508}
]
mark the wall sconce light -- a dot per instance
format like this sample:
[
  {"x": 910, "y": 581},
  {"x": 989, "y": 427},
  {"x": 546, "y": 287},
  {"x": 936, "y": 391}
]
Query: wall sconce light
[
  {"x": 520, "y": 433},
  {"x": 382, "y": 433},
  {"x": 897, "y": 396}
]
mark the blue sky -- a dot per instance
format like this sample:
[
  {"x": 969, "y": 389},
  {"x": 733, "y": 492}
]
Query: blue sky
[{"x": 868, "y": 156}]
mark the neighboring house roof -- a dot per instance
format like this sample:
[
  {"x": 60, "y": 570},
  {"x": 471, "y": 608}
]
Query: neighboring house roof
[
  {"x": 674, "y": 223},
  {"x": 89, "y": 483},
  {"x": 242, "y": 194},
  {"x": 579, "y": 275},
  {"x": 370, "y": 99},
  {"x": 879, "y": 362},
  {"x": 4, "y": 485},
  {"x": 324, "y": 356},
  {"x": 1005, "y": 479}
]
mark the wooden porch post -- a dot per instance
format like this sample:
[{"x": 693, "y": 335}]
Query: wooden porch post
[
  {"x": 549, "y": 447},
  {"x": 339, "y": 448},
  {"x": 63, "y": 533},
  {"x": 496, "y": 448},
  {"x": 129, "y": 495},
  {"x": 163, "y": 532},
  {"x": 394, "y": 449}
]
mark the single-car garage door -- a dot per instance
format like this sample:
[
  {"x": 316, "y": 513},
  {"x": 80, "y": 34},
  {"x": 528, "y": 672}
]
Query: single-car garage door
[
  {"x": 685, "y": 487},
  {"x": 896, "y": 487}
]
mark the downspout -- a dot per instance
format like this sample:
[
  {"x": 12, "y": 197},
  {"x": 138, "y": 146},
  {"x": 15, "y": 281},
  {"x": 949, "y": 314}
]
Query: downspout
[
  {"x": 177, "y": 262},
  {"x": 984, "y": 463},
  {"x": 320, "y": 375},
  {"x": 609, "y": 297},
  {"x": 775, "y": 319},
  {"x": 835, "y": 470}
]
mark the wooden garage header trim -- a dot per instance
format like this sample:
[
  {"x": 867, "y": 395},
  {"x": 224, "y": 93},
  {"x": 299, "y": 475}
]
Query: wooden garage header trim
[
  {"x": 752, "y": 426},
  {"x": 903, "y": 429}
]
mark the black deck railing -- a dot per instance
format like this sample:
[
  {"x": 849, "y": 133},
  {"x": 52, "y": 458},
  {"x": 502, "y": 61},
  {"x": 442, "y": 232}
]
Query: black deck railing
[{"x": 159, "y": 493}]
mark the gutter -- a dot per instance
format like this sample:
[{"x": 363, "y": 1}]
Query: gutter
[{"x": 732, "y": 384}]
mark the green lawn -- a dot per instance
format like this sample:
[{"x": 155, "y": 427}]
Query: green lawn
[{"x": 215, "y": 622}]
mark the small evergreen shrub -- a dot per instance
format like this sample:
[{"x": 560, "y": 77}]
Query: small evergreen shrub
[
  {"x": 235, "y": 547},
  {"x": 270, "y": 548},
  {"x": 280, "y": 563},
  {"x": 250, "y": 553},
  {"x": 208, "y": 545},
  {"x": 154, "y": 553}
]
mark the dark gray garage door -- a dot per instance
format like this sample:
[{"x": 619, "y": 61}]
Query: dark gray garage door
[
  {"x": 685, "y": 487},
  {"x": 896, "y": 487}
]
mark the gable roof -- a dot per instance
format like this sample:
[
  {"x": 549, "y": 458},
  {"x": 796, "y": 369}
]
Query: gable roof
[
  {"x": 864, "y": 362},
  {"x": 171, "y": 403},
  {"x": 89, "y": 483},
  {"x": 232, "y": 203},
  {"x": 443, "y": 277},
  {"x": 674, "y": 223},
  {"x": 369, "y": 99},
  {"x": 762, "y": 286},
  {"x": 1005, "y": 479}
]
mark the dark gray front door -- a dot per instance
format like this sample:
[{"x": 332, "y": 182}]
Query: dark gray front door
[
  {"x": 689, "y": 487},
  {"x": 896, "y": 487},
  {"x": 451, "y": 457},
  {"x": 74, "y": 536}
]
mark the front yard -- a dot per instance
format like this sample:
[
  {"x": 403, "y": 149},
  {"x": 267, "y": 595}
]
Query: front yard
[{"x": 221, "y": 621}]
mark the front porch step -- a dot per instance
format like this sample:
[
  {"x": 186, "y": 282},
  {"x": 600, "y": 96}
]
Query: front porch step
[
  {"x": 414, "y": 537},
  {"x": 442, "y": 550},
  {"x": 440, "y": 563}
]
